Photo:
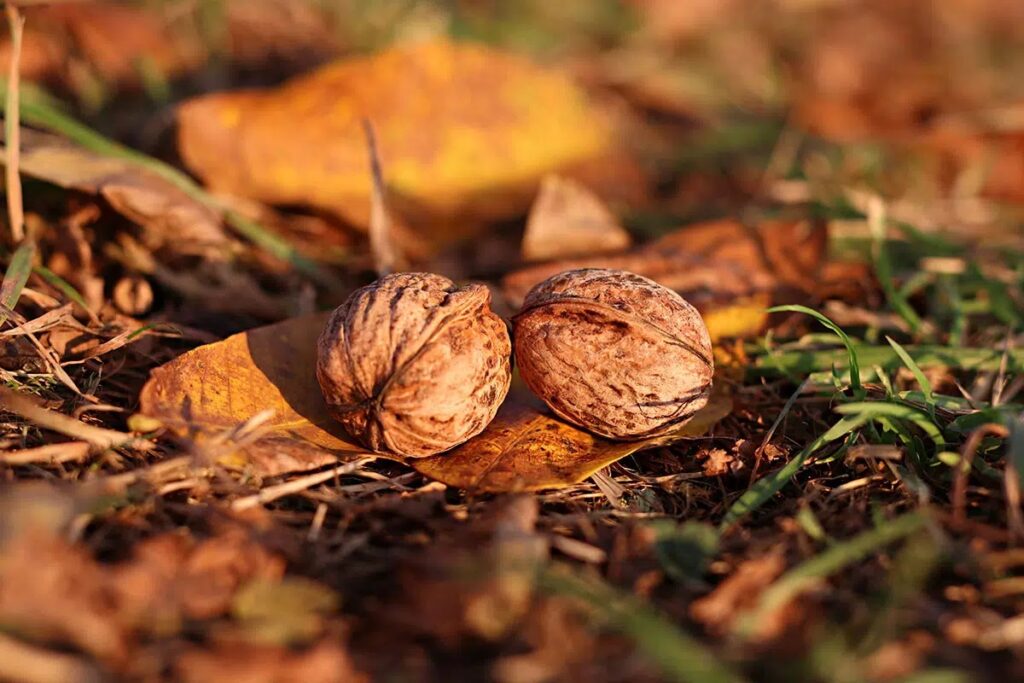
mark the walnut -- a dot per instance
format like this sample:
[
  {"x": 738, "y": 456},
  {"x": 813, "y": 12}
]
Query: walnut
[
  {"x": 414, "y": 364},
  {"x": 614, "y": 352}
]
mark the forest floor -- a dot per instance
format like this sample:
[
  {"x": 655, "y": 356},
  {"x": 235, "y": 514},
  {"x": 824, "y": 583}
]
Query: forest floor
[{"x": 847, "y": 509}]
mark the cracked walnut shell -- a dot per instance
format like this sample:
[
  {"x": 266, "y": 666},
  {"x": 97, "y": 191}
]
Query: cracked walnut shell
[
  {"x": 414, "y": 364},
  {"x": 614, "y": 352}
]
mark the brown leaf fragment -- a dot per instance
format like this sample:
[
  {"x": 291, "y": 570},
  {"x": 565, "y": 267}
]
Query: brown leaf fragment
[
  {"x": 50, "y": 590},
  {"x": 899, "y": 659},
  {"x": 70, "y": 42},
  {"x": 719, "y": 609},
  {"x": 567, "y": 220},
  {"x": 560, "y": 645},
  {"x": 54, "y": 591},
  {"x": 173, "y": 576},
  {"x": 716, "y": 462},
  {"x": 171, "y": 218},
  {"x": 133, "y": 295}
]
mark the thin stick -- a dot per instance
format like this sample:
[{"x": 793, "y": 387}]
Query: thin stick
[
  {"x": 272, "y": 493},
  {"x": 12, "y": 126},
  {"x": 963, "y": 469},
  {"x": 51, "y": 453},
  {"x": 385, "y": 258},
  {"x": 99, "y": 438}
]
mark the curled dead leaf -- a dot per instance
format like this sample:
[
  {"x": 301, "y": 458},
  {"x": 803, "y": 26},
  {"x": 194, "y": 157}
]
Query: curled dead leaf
[
  {"x": 568, "y": 220},
  {"x": 709, "y": 262},
  {"x": 170, "y": 217}
]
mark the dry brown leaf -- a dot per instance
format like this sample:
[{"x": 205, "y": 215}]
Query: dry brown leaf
[
  {"x": 567, "y": 220},
  {"x": 716, "y": 462},
  {"x": 465, "y": 132},
  {"x": 71, "y": 42},
  {"x": 527, "y": 449},
  {"x": 271, "y": 32},
  {"x": 709, "y": 262},
  {"x": 210, "y": 390},
  {"x": 171, "y": 218}
]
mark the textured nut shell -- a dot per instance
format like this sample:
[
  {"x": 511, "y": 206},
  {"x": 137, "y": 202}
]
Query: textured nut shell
[
  {"x": 614, "y": 352},
  {"x": 413, "y": 364}
]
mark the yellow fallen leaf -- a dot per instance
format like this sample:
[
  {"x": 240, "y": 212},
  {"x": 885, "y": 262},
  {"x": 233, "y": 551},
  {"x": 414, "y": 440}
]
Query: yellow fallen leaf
[
  {"x": 217, "y": 386},
  {"x": 211, "y": 390},
  {"x": 465, "y": 134},
  {"x": 527, "y": 449}
]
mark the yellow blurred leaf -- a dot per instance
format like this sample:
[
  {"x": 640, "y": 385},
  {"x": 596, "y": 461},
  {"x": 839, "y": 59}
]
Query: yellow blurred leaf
[
  {"x": 285, "y": 611},
  {"x": 465, "y": 132},
  {"x": 739, "y": 319},
  {"x": 208, "y": 392}
]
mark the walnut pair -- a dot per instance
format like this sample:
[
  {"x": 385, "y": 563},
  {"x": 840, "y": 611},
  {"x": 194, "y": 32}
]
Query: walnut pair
[{"x": 415, "y": 365}]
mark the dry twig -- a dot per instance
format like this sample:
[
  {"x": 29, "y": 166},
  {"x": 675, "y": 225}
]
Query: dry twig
[{"x": 12, "y": 127}]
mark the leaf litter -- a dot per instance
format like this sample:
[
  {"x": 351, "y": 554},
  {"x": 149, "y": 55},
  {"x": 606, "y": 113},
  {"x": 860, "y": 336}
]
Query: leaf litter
[{"x": 176, "y": 507}]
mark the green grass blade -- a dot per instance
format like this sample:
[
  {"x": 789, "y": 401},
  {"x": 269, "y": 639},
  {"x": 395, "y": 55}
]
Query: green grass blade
[
  {"x": 883, "y": 266},
  {"x": 801, "y": 362},
  {"x": 870, "y": 410},
  {"x": 766, "y": 487},
  {"x": 925, "y": 384},
  {"x": 681, "y": 657},
  {"x": 65, "y": 287},
  {"x": 850, "y": 350},
  {"x": 829, "y": 562},
  {"x": 16, "y": 276}
]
